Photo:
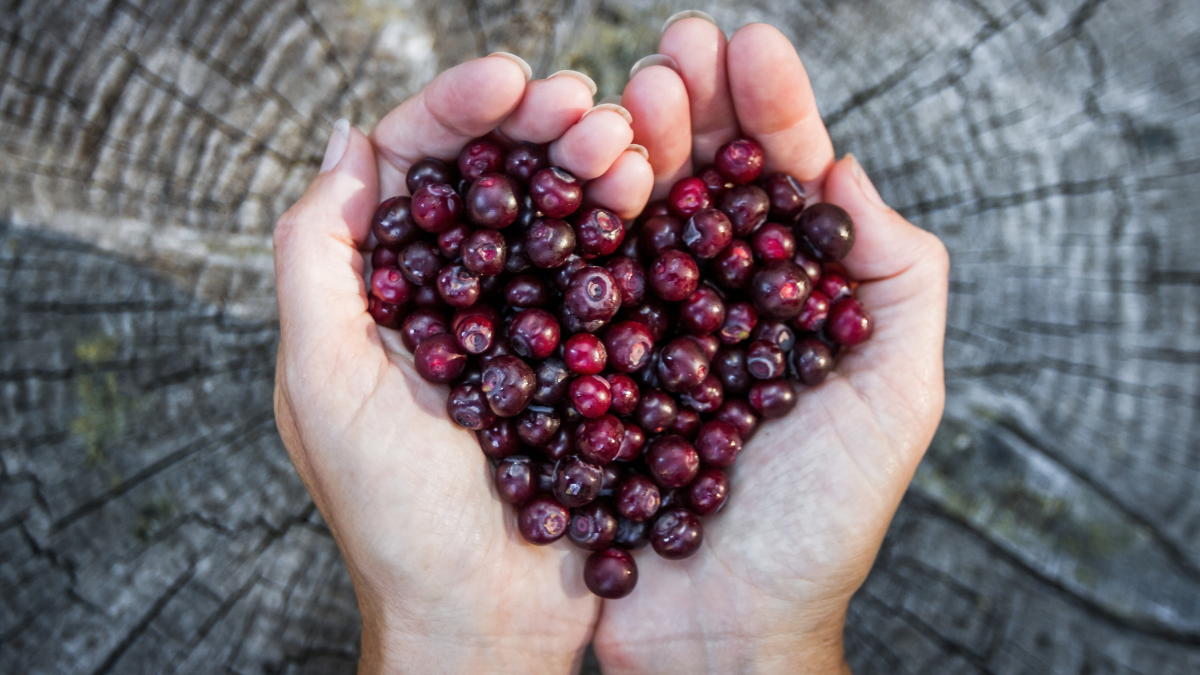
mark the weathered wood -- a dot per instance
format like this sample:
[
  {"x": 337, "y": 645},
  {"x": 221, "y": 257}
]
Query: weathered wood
[{"x": 149, "y": 518}]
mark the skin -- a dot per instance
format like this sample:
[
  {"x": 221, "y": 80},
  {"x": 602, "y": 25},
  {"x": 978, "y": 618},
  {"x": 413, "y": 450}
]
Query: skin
[{"x": 444, "y": 581}]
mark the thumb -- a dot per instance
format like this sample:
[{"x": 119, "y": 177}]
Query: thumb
[
  {"x": 904, "y": 272},
  {"x": 318, "y": 269}
]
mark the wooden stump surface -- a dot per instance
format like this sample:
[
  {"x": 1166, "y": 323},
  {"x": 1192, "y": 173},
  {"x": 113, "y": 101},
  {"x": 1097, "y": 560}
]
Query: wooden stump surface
[{"x": 150, "y": 521}]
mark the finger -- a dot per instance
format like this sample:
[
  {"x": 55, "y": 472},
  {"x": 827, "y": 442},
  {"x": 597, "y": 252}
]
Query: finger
[
  {"x": 590, "y": 147},
  {"x": 658, "y": 101},
  {"x": 318, "y": 269},
  {"x": 699, "y": 47},
  {"x": 466, "y": 101},
  {"x": 775, "y": 104},
  {"x": 625, "y": 187},
  {"x": 905, "y": 272},
  {"x": 550, "y": 107}
]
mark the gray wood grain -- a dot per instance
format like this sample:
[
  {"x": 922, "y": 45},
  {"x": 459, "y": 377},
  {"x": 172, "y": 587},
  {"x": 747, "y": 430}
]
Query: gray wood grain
[{"x": 150, "y": 521}]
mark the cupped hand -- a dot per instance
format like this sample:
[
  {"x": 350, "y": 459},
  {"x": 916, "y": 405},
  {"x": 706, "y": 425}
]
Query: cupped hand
[
  {"x": 811, "y": 494},
  {"x": 444, "y": 581}
]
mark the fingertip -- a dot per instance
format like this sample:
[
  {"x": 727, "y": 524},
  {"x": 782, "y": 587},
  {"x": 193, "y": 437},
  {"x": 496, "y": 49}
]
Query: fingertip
[
  {"x": 658, "y": 101},
  {"x": 590, "y": 147},
  {"x": 625, "y": 188},
  {"x": 547, "y": 109}
]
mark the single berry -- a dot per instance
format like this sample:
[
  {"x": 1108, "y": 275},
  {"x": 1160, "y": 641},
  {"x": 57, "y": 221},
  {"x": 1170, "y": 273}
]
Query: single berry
[
  {"x": 740, "y": 320},
  {"x": 811, "y": 361},
  {"x": 849, "y": 323},
  {"x": 474, "y": 328},
  {"x": 786, "y": 195},
  {"x": 384, "y": 313},
  {"x": 499, "y": 440},
  {"x": 561, "y": 444},
  {"x": 740, "y": 161},
  {"x": 632, "y": 534},
  {"x": 625, "y": 393},
  {"x": 686, "y": 424},
  {"x": 731, "y": 369},
  {"x": 537, "y": 425},
  {"x": 458, "y": 286},
  {"x": 389, "y": 285},
  {"x": 835, "y": 287},
  {"x": 526, "y": 290},
  {"x": 611, "y": 573},
  {"x": 631, "y": 446},
  {"x": 484, "y": 252},
  {"x": 718, "y": 443},
  {"x": 672, "y": 461},
  {"x": 747, "y": 207},
  {"x": 714, "y": 181},
  {"x": 439, "y": 359},
  {"x": 630, "y": 277},
  {"x": 420, "y": 263},
  {"x": 599, "y": 232},
  {"x": 480, "y": 156},
  {"x": 593, "y": 526},
  {"x": 774, "y": 242},
  {"x": 516, "y": 479},
  {"x": 593, "y": 294},
  {"x": 816, "y": 311},
  {"x": 707, "y": 494},
  {"x": 449, "y": 243},
  {"x": 584, "y": 354},
  {"x": 688, "y": 196},
  {"x": 765, "y": 360},
  {"x": 426, "y": 171},
  {"x": 555, "y": 192},
  {"x": 599, "y": 440},
  {"x": 734, "y": 267},
  {"x": 653, "y": 315},
  {"x": 828, "y": 231},
  {"x": 656, "y": 411},
  {"x": 776, "y": 332},
  {"x": 659, "y": 235},
  {"x": 553, "y": 379},
  {"x": 393, "y": 224},
  {"x": 772, "y": 398},
  {"x": 591, "y": 395},
  {"x": 542, "y": 520},
  {"x": 524, "y": 160},
  {"x": 676, "y": 534},
  {"x": 638, "y": 498},
  {"x": 629, "y": 345},
  {"x": 576, "y": 482},
  {"x": 436, "y": 207},
  {"x": 492, "y": 202},
  {"x": 779, "y": 290},
  {"x": 549, "y": 243},
  {"x": 508, "y": 383},
  {"x": 421, "y": 324},
  {"x": 707, "y": 233},
  {"x": 674, "y": 276},
  {"x": 383, "y": 256},
  {"x": 682, "y": 365},
  {"x": 534, "y": 333},
  {"x": 739, "y": 413},
  {"x": 702, "y": 312},
  {"x": 705, "y": 397}
]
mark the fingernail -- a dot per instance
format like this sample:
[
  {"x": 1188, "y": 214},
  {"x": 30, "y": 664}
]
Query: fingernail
[
  {"x": 613, "y": 107},
  {"x": 335, "y": 150},
  {"x": 653, "y": 60},
  {"x": 591, "y": 84},
  {"x": 864, "y": 183},
  {"x": 640, "y": 149},
  {"x": 517, "y": 60},
  {"x": 688, "y": 14}
]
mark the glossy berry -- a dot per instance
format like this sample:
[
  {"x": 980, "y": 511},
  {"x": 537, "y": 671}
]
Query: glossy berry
[
  {"x": 740, "y": 320},
  {"x": 474, "y": 328},
  {"x": 849, "y": 323},
  {"x": 524, "y": 160},
  {"x": 632, "y": 534},
  {"x": 707, "y": 494},
  {"x": 384, "y": 313},
  {"x": 714, "y": 181},
  {"x": 776, "y": 332},
  {"x": 718, "y": 443},
  {"x": 702, "y": 312},
  {"x": 779, "y": 290},
  {"x": 593, "y": 526},
  {"x": 542, "y": 520},
  {"x": 593, "y": 294},
  {"x": 625, "y": 393},
  {"x": 631, "y": 446},
  {"x": 834, "y": 286},
  {"x": 638, "y": 498},
  {"x": 508, "y": 383},
  {"x": 765, "y": 360},
  {"x": 484, "y": 252},
  {"x": 419, "y": 325},
  {"x": 458, "y": 286},
  {"x": 740, "y": 161},
  {"x": 772, "y": 398},
  {"x": 426, "y": 171},
  {"x": 816, "y": 311},
  {"x": 516, "y": 479},
  {"x": 811, "y": 361},
  {"x": 549, "y": 242},
  {"x": 553, "y": 379},
  {"x": 591, "y": 395},
  {"x": 534, "y": 333},
  {"x": 672, "y": 461},
  {"x": 537, "y": 425},
  {"x": 584, "y": 354},
  {"x": 436, "y": 207},
  {"x": 389, "y": 285},
  {"x": 734, "y": 267},
  {"x": 449, "y": 243},
  {"x": 747, "y": 207},
  {"x": 439, "y": 359},
  {"x": 656, "y": 411},
  {"x": 480, "y": 156},
  {"x": 709, "y": 344},
  {"x": 393, "y": 224},
  {"x": 686, "y": 424},
  {"x": 610, "y": 573},
  {"x": 629, "y": 345},
  {"x": 499, "y": 440},
  {"x": 599, "y": 232},
  {"x": 773, "y": 242},
  {"x": 555, "y": 192},
  {"x": 561, "y": 444},
  {"x": 599, "y": 440},
  {"x": 676, "y": 534},
  {"x": 828, "y": 231},
  {"x": 420, "y": 263},
  {"x": 526, "y": 290},
  {"x": 492, "y": 203},
  {"x": 688, "y": 196},
  {"x": 786, "y": 195},
  {"x": 576, "y": 482},
  {"x": 630, "y": 277},
  {"x": 682, "y": 365},
  {"x": 705, "y": 397},
  {"x": 739, "y": 413},
  {"x": 707, "y": 233},
  {"x": 659, "y": 235},
  {"x": 674, "y": 276},
  {"x": 731, "y": 369}
]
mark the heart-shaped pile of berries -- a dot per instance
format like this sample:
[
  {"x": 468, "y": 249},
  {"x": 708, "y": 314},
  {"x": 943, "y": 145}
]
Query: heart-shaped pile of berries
[{"x": 613, "y": 371}]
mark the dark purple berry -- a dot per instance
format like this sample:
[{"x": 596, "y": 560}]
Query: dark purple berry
[
  {"x": 383, "y": 256},
  {"x": 449, "y": 243},
  {"x": 740, "y": 161},
  {"x": 714, "y": 181},
  {"x": 629, "y": 345},
  {"x": 686, "y": 424},
  {"x": 775, "y": 332},
  {"x": 682, "y": 365},
  {"x": 740, "y": 320},
  {"x": 625, "y": 393},
  {"x": 536, "y": 425},
  {"x": 492, "y": 202},
  {"x": 718, "y": 443},
  {"x": 834, "y": 286},
  {"x": 747, "y": 207},
  {"x": 499, "y": 440},
  {"x": 427, "y": 171},
  {"x": 705, "y": 397},
  {"x": 599, "y": 440},
  {"x": 508, "y": 382},
  {"x": 772, "y": 398},
  {"x": 786, "y": 195},
  {"x": 707, "y": 494},
  {"x": 630, "y": 278},
  {"x": 516, "y": 479},
  {"x": 419, "y": 325},
  {"x": 555, "y": 192},
  {"x": 632, "y": 534},
  {"x": 526, "y": 290},
  {"x": 779, "y": 290},
  {"x": 734, "y": 267},
  {"x": 739, "y": 413},
  {"x": 436, "y": 207},
  {"x": 561, "y": 444},
  {"x": 393, "y": 224},
  {"x": 702, "y": 312},
  {"x": 439, "y": 359},
  {"x": 576, "y": 482},
  {"x": 828, "y": 231},
  {"x": 849, "y": 323},
  {"x": 584, "y": 354},
  {"x": 656, "y": 411},
  {"x": 458, "y": 286},
  {"x": 611, "y": 573},
  {"x": 774, "y": 242},
  {"x": 659, "y": 235},
  {"x": 688, "y": 196},
  {"x": 384, "y": 313},
  {"x": 534, "y": 333},
  {"x": 591, "y": 395},
  {"x": 420, "y": 263},
  {"x": 638, "y": 498},
  {"x": 484, "y": 252},
  {"x": 731, "y": 369},
  {"x": 707, "y": 233},
  {"x": 543, "y": 520},
  {"x": 480, "y": 156},
  {"x": 599, "y": 232},
  {"x": 672, "y": 461},
  {"x": 593, "y": 526},
  {"x": 816, "y": 311},
  {"x": 524, "y": 160},
  {"x": 549, "y": 243},
  {"x": 631, "y": 446},
  {"x": 593, "y": 294},
  {"x": 676, "y": 534},
  {"x": 653, "y": 315},
  {"x": 674, "y": 276},
  {"x": 389, "y": 285},
  {"x": 553, "y": 379},
  {"x": 474, "y": 328},
  {"x": 765, "y": 360},
  {"x": 811, "y": 361}
]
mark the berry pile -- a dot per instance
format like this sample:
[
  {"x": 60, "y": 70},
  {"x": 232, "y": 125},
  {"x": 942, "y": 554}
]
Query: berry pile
[{"x": 612, "y": 375}]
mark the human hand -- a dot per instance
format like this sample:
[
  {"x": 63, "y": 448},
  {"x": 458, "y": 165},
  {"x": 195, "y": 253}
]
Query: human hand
[
  {"x": 444, "y": 581},
  {"x": 812, "y": 494}
]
